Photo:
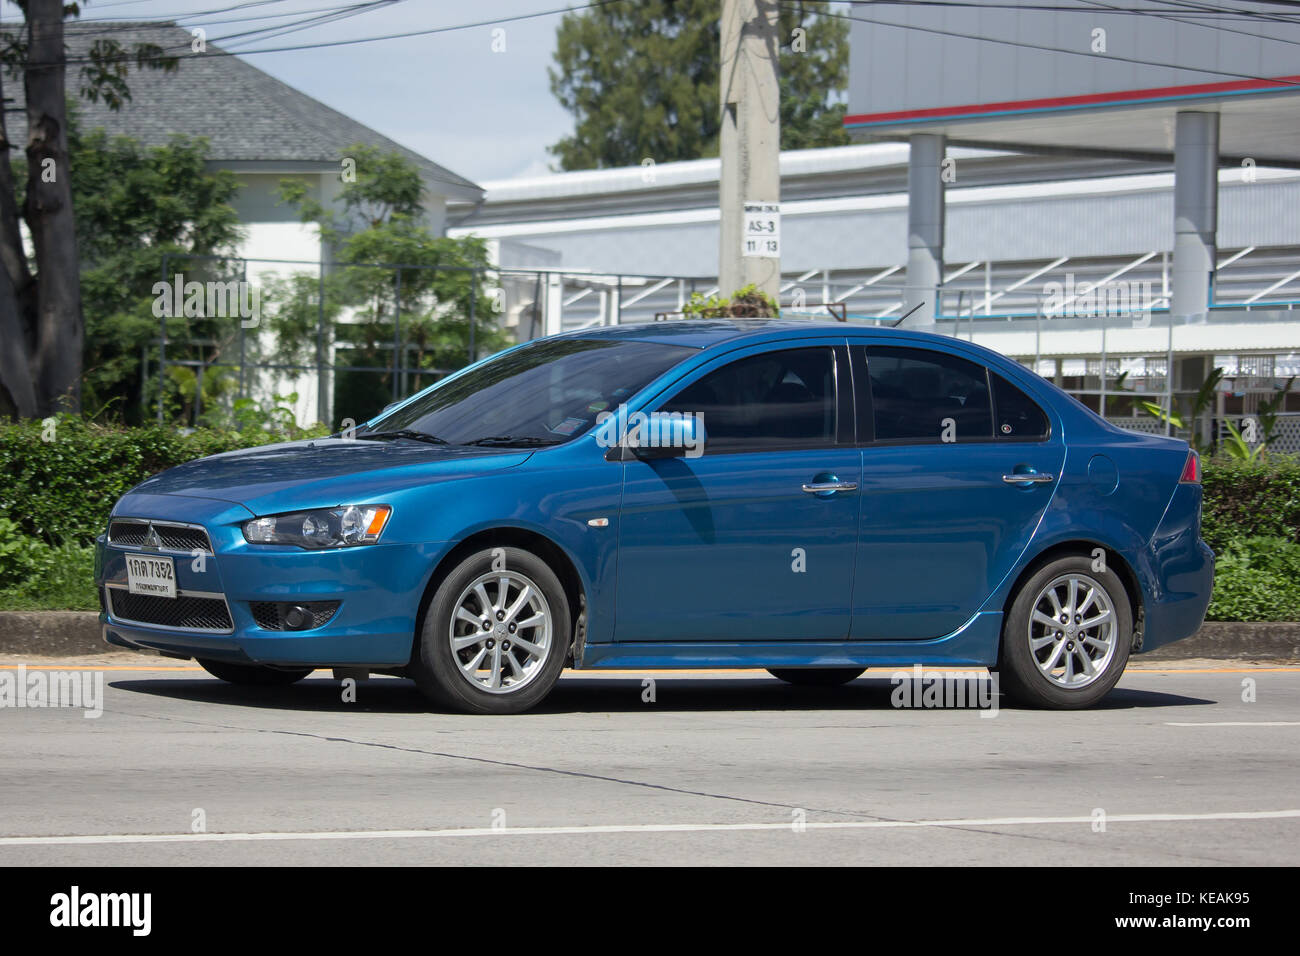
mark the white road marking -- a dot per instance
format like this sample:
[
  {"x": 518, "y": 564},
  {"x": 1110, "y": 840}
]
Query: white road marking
[
  {"x": 1234, "y": 723},
  {"x": 108, "y": 838}
]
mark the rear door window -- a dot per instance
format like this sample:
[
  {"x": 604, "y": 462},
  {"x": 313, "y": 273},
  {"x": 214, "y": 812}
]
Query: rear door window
[{"x": 921, "y": 395}]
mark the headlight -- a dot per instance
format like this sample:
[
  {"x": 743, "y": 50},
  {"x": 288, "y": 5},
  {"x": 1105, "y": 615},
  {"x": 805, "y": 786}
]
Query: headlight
[{"x": 324, "y": 528}]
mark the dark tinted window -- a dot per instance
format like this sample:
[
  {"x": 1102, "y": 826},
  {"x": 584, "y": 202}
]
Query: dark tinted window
[
  {"x": 921, "y": 395},
  {"x": 548, "y": 391},
  {"x": 774, "y": 400},
  {"x": 1016, "y": 414}
]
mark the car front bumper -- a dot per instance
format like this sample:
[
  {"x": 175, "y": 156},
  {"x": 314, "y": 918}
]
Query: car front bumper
[{"x": 379, "y": 589}]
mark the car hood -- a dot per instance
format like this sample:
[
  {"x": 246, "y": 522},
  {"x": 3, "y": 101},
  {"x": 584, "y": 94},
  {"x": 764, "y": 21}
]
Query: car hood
[{"x": 323, "y": 472}]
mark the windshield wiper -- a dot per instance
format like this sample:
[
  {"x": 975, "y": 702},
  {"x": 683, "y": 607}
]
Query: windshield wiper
[
  {"x": 521, "y": 440},
  {"x": 410, "y": 433}
]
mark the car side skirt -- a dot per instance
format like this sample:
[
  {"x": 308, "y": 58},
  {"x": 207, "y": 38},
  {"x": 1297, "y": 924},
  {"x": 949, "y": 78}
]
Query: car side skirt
[{"x": 974, "y": 644}]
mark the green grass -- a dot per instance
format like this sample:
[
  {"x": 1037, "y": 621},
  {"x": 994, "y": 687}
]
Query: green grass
[{"x": 65, "y": 581}]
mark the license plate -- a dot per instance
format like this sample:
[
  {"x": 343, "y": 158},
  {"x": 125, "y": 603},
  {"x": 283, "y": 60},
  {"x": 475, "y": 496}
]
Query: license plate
[{"x": 146, "y": 574}]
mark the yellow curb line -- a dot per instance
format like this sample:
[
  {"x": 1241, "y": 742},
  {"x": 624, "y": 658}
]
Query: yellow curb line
[{"x": 685, "y": 671}]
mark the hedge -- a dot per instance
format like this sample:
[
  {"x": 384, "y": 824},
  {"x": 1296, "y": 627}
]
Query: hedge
[
  {"x": 1250, "y": 499},
  {"x": 59, "y": 481}
]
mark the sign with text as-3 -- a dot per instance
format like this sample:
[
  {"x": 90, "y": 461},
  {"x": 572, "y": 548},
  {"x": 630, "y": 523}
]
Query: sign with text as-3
[{"x": 762, "y": 229}]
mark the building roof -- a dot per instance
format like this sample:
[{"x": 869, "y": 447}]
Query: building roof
[
  {"x": 875, "y": 169},
  {"x": 1021, "y": 75},
  {"x": 247, "y": 115}
]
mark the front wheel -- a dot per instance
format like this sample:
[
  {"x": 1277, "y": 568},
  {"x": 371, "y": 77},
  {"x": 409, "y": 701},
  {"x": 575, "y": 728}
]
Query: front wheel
[
  {"x": 254, "y": 675},
  {"x": 816, "y": 676},
  {"x": 1067, "y": 637},
  {"x": 496, "y": 634}
]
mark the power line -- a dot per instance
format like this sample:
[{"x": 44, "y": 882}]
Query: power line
[
  {"x": 1199, "y": 11},
  {"x": 1178, "y": 18},
  {"x": 252, "y": 36},
  {"x": 125, "y": 21},
  {"x": 110, "y": 27},
  {"x": 434, "y": 30},
  {"x": 266, "y": 16},
  {"x": 430, "y": 31}
]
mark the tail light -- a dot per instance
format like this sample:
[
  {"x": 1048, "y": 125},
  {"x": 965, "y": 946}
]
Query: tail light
[{"x": 1192, "y": 470}]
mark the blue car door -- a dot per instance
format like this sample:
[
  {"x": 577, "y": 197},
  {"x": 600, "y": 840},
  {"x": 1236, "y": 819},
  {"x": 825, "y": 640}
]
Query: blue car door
[
  {"x": 945, "y": 511},
  {"x": 753, "y": 540}
]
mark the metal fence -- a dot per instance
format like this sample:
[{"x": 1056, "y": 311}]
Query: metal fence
[
  {"x": 521, "y": 304},
  {"x": 388, "y": 348},
  {"x": 1286, "y": 434}
]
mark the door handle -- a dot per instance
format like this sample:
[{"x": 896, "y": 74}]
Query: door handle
[
  {"x": 824, "y": 487},
  {"x": 1028, "y": 478}
]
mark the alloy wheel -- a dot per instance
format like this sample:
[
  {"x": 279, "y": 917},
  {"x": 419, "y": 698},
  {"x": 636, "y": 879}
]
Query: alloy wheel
[
  {"x": 1072, "y": 630},
  {"x": 501, "y": 632}
]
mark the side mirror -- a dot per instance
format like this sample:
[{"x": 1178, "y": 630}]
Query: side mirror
[{"x": 666, "y": 435}]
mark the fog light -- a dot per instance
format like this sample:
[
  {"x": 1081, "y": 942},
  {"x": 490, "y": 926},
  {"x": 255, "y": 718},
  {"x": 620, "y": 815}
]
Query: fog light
[
  {"x": 297, "y": 617},
  {"x": 292, "y": 616}
]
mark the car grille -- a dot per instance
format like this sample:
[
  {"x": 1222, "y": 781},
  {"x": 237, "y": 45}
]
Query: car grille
[
  {"x": 269, "y": 615},
  {"x": 183, "y": 611},
  {"x": 174, "y": 537}
]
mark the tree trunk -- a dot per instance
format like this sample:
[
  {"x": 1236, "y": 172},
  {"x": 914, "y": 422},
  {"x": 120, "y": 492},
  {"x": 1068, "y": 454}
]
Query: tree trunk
[
  {"x": 60, "y": 326},
  {"x": 17, "y": 292}
]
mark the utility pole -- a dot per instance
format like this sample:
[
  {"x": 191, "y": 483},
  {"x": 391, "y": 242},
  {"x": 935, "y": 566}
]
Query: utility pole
[{"x": 749, "y": 190}]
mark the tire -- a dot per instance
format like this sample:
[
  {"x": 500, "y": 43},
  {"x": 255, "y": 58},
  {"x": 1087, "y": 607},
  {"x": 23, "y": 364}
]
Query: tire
[
  {"x": 254, "y": 675},
  {"x": 1045, "y": 667},
  {"x": 817, "y": 676},
  {"x": 508, "y": 678}
]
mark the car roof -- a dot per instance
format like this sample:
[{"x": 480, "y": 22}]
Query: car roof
[{"x": 706, "y": 333}]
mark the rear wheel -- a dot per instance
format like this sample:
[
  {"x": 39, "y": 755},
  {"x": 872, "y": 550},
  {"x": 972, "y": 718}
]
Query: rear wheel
[
  {"x": 495, "y": 635},
  {"x": 816, "y": 676},
  {"x": 1067, "y": 637},
  {"x": 254, "y": 675}
]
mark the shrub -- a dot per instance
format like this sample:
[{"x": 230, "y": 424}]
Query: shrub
[
  {"x": 749, "y": 302},
  {"x": 1246, "y": 499},
  {"x": 63, "y": 475},
  {"x": 1257, "y": 579},
  {"x": 64, "y": 581},
  {"x": 21, "y": 556}
]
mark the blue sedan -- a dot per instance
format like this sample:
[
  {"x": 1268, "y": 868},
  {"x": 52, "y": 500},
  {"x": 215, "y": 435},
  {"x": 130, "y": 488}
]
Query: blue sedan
[{"x": 810, "y": 499}]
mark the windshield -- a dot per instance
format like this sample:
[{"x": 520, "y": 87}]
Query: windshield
[{"x": 542, "y": 394}]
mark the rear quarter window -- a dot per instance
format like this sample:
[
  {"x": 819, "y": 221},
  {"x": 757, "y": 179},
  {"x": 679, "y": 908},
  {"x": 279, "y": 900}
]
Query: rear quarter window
[{"x": 1016, "y": 415}]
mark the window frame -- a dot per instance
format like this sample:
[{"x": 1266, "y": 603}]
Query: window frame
[
  {"x": 865, "y": 406},
  {"x": 846, "y": 414},
  {"x": 1011, "y": 439}
]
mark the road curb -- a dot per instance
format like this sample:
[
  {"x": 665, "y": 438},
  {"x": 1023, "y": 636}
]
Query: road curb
[
  {"x": 51, "y": 633},
  {"x": 1234, "y": 640},
  {"x": 76, "y": 634}
]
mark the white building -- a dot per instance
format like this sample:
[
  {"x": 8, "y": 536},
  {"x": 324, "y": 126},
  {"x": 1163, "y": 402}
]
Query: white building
[
  {"x": 1026, "y": 237},
  {"x": 263, "y": 131}
]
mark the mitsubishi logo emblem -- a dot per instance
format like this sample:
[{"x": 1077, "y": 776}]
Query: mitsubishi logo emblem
[{"x": 151, "y": 538}]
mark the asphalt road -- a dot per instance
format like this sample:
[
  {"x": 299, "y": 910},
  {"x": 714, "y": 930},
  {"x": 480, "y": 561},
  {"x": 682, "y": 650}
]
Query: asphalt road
[{"x": 1175, "y": 768}]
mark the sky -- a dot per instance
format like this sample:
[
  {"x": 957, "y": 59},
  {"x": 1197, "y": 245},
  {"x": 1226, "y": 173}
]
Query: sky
[{"x": 483, "y": 113}]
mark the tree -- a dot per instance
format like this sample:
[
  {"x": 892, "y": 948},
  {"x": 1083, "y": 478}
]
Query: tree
[
  {"x": 378, "y": 220},
  {"x": 41, "y": 323},
  {"x": 134, "y": 205},
  {"x": 641, "y": 80}
]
